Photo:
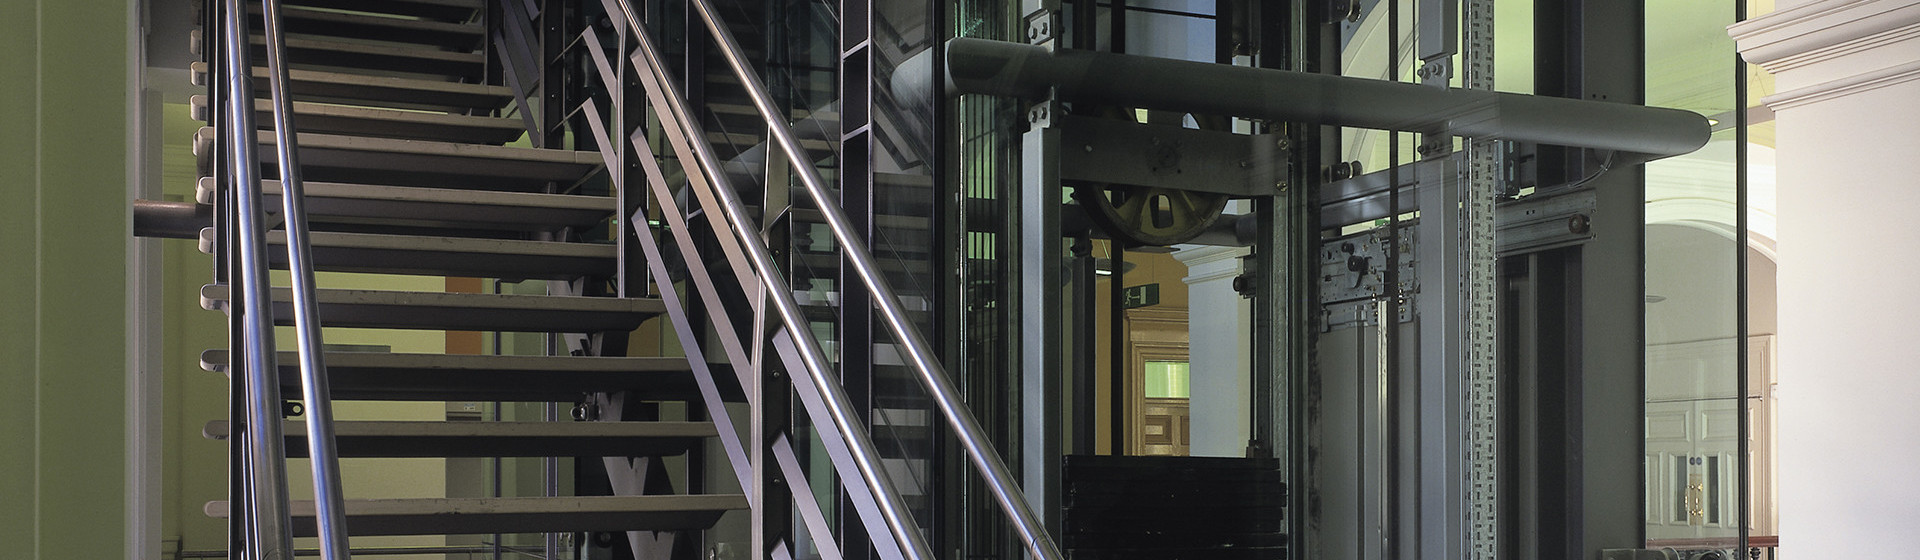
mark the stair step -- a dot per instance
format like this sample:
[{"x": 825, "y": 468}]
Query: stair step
[
  {"x": 435, "y": 208},
  {"x": 309, "y": 53},
  {"x": 496, "y": 439},
  {"x": 386, "y": 161},
  {"x": 450, "y": 516},
  {"x": 383, "y": 91},
  {"x": 453, "y": 377},
  {"x": 445, "y": 10},
  {"x": 383, "y": 123},
  {"x": 380, "y": 309},
  {"x": 308, "y": 21},
  {"x": 442, "y": 256}
]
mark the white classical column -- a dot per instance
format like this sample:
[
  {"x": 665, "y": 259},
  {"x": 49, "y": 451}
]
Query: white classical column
[
  {"x": 1848, "y": 112},
  {"x": 1219, "y": 351}
]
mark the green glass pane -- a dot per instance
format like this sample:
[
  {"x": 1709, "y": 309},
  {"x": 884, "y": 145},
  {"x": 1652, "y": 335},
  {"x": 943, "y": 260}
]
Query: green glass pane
[{"x": 1166, "y": 380}]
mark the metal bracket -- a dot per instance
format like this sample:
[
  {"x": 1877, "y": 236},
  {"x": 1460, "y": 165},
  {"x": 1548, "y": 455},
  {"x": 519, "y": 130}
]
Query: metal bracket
[
  {"x": 1363, "y": 313},
  {"x": 1435, "y": 70},
  {"x": 1043, "y": 114},
  {"x": 1544, "y": 222},
  {"x": 1043, "y": 26},
  {"x": 1118, "y": 152}
]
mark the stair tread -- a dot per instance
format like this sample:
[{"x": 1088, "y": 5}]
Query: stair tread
[
  {"x": 428, "y": 516},
  {"x": 359, "y": 159},
  {"x": 299, "y": 20},
  {"x": 217, "y": 360},
  {"x": 433, "y": 9},
  {"x": 344, "y": 120},
  {"x": 442, "y": 256},
  {"x": 427, "y": 147},
  {"x": 307, "y": 52},
  {"x": 435, "y": 207},
  {"x": 424, "y": 428},
  {"x": 379, "y": 90},
  {"x": 443, "y": 377},
  {"x": 496, "y": 439},
  {"x": 458, "y": 311}
]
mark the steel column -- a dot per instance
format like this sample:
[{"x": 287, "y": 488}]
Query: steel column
[{"x": 1041, "y": 260}]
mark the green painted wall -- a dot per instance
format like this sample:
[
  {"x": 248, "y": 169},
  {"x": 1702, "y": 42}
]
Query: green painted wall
[{"x": 64, "y": 233}]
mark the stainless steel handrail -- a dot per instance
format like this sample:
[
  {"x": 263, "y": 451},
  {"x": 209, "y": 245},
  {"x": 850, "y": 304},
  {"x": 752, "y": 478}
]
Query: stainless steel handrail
[
  {"x": 315, "y": 391},
  {"x": 932, "y": 376},
  {"x": 919, "y": 353},
  {"x": 841, "y": 415},
  {"x": 265, "y": 442},
  {"x": 266, "y": 451}
]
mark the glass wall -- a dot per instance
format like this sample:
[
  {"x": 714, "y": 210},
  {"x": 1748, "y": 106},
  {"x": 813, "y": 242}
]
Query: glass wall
[{"x": 1710, "y": 328}]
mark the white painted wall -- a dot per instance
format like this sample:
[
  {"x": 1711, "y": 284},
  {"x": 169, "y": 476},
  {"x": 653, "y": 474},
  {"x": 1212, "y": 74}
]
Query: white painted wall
[
  {"x": 1219, "y": 351},
  {"x": 1848, "y": 113}
]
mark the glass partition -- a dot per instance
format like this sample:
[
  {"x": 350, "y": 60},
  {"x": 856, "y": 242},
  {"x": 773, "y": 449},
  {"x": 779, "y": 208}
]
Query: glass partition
[{"x": 1699, "y": 346}]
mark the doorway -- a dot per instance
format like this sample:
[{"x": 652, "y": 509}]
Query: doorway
[{"x": 1157, "y": 374}]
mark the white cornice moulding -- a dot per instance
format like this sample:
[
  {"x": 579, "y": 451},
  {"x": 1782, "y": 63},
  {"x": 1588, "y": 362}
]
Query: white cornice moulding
[
  {"x": 1823, "y": 30},
  {"x": 1206, "y": 264},
  {"x": 1843, "y": 87}
]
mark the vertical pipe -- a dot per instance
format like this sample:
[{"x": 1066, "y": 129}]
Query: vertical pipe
[
  {"x": 1081, "y": 420},
  {"x": 1117, "y": 345},
  {"x": 1742, "y": 375},
  {"x": 1391, "y": 432},
  {"x": 328, "y": 502},
  {"x": 265, "y": 442}
]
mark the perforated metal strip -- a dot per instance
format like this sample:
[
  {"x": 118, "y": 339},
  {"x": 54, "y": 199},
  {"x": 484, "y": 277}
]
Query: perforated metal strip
[{"x": 1483, "y": 168}]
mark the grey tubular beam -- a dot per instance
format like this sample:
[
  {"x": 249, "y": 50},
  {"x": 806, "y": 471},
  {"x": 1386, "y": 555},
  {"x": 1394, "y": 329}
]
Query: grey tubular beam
[
  {"x": 315, "y": 393},
  {"x": 1026, "y": 71},
  {"x": 869, "y": 470},
  {"x": 932, "y": 376},
  {"x": 268, "y": 535},
  {"x": 173, "y": 220}
]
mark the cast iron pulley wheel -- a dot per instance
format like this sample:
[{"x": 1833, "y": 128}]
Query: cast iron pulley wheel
[
  {"x": 1151, "y": 215},
  {"x": 1156, "y": 216}
]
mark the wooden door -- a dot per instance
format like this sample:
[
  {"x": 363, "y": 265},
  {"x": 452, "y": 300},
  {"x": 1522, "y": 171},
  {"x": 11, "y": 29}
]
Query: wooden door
[{"x": 1157, "y": 383}]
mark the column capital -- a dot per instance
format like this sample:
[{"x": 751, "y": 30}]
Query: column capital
[
  {"x": 1205, "y": 263},
  {"x": 1832, "y": 48}
]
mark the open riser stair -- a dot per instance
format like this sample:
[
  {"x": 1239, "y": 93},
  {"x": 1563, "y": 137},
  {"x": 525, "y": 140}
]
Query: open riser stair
[{"x": 416, "y": 163}]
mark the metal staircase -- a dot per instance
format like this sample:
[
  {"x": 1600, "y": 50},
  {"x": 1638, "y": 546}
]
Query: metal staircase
[
  {"x": 402, "y": 142},
  {"x": 390, "y": 154}
]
